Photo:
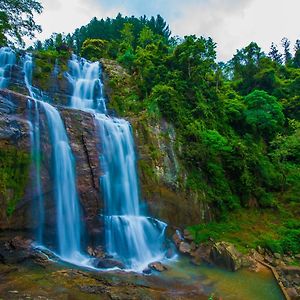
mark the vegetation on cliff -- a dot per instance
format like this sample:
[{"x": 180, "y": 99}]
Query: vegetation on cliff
[{"x": 14, "y": 173}]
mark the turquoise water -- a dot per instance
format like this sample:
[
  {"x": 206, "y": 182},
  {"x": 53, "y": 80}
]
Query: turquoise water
[{"x": 222, "y": 284}]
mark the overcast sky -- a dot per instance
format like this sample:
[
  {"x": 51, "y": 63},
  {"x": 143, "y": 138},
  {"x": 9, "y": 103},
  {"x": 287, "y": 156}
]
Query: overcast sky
[{"x": 232, "y": 24}]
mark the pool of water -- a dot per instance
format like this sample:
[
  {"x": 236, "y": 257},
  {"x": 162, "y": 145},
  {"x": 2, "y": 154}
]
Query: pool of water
[{"x": 240, "y": 285}]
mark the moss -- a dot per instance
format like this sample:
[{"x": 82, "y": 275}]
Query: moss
[
  {"x": 14, "y": 173},
  {"x": 45, "y": 61}
]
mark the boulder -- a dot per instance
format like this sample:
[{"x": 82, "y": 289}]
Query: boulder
[
  {"x": 157, "y": 266},
  {"x": 147, "y": 271},
  {"x": 225, "y": 255},
  {"x": 185, "y": 248},
  {"x": 109, "y": 263}
]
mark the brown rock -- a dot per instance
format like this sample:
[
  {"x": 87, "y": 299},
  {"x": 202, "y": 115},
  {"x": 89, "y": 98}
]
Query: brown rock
[
  {"x": 292, "y": 292},
  {"x": 291, "y": 270},
  {"x": 225, "y": 255},
  {"x": 157, "y": 266},
  {"x": 177, "y": 238},
  {"x": 185, "y": 248}
]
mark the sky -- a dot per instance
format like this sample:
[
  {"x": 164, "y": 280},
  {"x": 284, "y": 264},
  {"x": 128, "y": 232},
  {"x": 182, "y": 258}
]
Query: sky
[{"x": 232, "y": 24}]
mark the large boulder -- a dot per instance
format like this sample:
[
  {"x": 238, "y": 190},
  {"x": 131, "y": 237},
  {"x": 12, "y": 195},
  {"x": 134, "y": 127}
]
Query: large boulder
[{"x": 225, "y": 255}]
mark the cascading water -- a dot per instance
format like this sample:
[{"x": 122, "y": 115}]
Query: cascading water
[
  {"x": 7, "y": 60},
  {"x": 68, "y": 217},
  {"x": 131, "y": 237}
]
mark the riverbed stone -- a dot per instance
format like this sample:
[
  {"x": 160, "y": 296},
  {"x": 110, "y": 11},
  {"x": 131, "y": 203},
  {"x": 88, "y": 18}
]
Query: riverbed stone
[
  {"x": 157, "y": 266},
  {"x": 225, "y": 255},
  {"x": 185, "y": 248},
  {"x": 109, "y": 263}
]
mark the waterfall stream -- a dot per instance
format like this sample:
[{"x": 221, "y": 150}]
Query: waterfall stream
[
  {"x": 130, "y": 236},
  {"x": 7, "y": 60},
  {"x": 68, "y": 216}
]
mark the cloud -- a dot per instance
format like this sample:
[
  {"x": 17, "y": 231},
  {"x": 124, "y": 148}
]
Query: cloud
[{"x": 231, "y": 23}]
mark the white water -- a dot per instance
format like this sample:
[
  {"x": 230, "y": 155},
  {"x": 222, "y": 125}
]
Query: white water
[
  {"x": 7, "y": 60},
  {"x": 68, "y": 217},
  {"x": 134, "y": 239}
]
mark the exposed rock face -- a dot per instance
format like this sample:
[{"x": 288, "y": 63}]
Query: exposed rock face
[
  {"x": 80, "y": 126},
  {"x": 161, "y": 173},
  {"x": 14, "y": 140},
  {"x": 225, "y": 255},
  {"x": 82, "y": 133}
]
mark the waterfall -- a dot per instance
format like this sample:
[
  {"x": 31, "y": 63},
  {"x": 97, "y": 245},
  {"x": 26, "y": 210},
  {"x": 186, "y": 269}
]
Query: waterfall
[
  {"x": 68, "y": 217},
  {"x": 7, "y": 60},
  {"x": 131, "y": 237}
]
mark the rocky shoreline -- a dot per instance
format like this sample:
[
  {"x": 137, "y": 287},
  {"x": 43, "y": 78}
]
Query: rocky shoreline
[{"x": 225, "y": 255}]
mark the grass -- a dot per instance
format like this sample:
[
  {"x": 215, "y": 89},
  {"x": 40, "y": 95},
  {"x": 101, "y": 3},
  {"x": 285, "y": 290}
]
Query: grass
[{"x": 275, "y": 229}]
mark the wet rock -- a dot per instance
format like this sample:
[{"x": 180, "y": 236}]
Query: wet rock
[
  {"x": 185, "y": 248},
  {"x": 109, "y": 263},
  {"x": 177, "y": 238},
  {"x": 147, "y": 271},
  {"x": 225, "y": 255},
  {"x": 201, "y": 254},
  {"x": 157, "y": 266},
  {"x": 97, "y": 252},
  {"x": 19, "y": 243}
]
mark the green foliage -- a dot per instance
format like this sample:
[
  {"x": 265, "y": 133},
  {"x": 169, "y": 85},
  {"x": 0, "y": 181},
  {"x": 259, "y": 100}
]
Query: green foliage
[
  {"x": 14, "y": 171},
  {"x": 16, "y": 20},
  {"x": 263, "y": 113},
  {"x": 94, "y": 49},
  {"x": 45, "y": 61}
]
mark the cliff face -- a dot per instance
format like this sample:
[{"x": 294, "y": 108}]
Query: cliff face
[
  {"x": 162, "y": 175},
  {"x": 15, "y": 134}
]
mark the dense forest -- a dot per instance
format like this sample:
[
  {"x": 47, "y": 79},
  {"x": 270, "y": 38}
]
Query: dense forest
[{"x": 237, "y": 122}]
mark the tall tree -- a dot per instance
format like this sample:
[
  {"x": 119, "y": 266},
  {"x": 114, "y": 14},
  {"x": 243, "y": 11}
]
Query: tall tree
[
  {"x": 274, "y": 54},
  {"x": 286, "y": 47},
  {"x": 16, "y": 20}
]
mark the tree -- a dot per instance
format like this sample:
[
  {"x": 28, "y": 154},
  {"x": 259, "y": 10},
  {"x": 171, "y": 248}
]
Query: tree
[
  {"x": 287, "y": 53},
  {"x": 16, "y": 20},
  {"x": 94, "y": 49},
  {"x": 263, "y": 113},
  {"x": 296, "y": 59},
  {"x": 274, "y": 54}
]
